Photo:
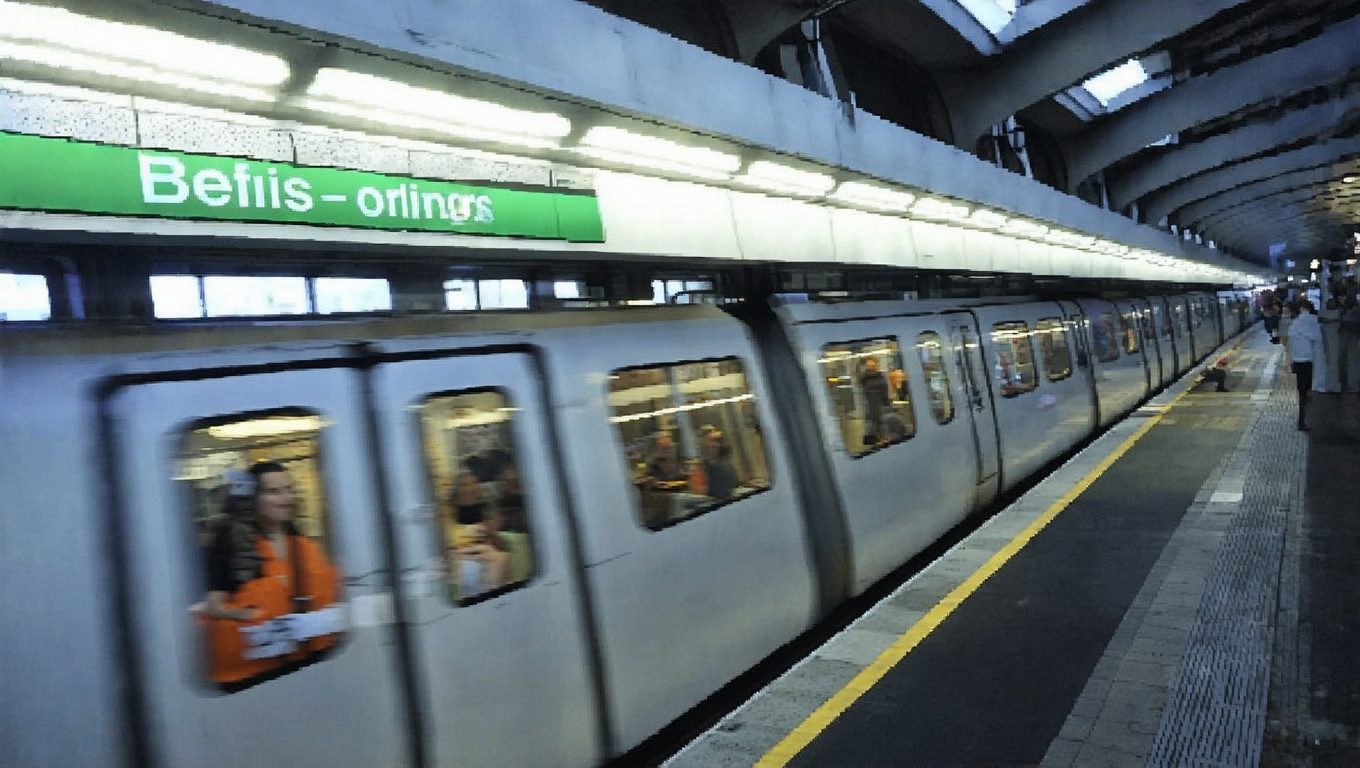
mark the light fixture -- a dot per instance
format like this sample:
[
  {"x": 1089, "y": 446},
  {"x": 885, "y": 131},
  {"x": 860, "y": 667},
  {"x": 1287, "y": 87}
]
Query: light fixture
[
  {"x": 57, "y": 38},
  {"x": 267, "y": 427},
  {"x": 353, "y": 94},
  {"x": 1069, "y": 239},
  {"x": 784, "y": 180},
  {"x": 1025, "y": 228},
  {"x": 985, "y": 219},
  {"x": 939, "y": 210},
  {"x": 872, "y": 196},
  {"x": 617, "y": 145},
  {"x": 1350, "y": 179}
]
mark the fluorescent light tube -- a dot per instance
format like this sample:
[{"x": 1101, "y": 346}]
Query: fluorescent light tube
[
  {"x": 1024, "y": 228},
  {"x": 986, "y": 219},
  {"x": 1070, "y": 239},
  {"x": 873, "y": 196},
  {"x": 625, "y": 147},
  {"x": 943, "y": 210},
  {"x": 380, "y": 100},
  {"x": 782, "y": 179},
  {"x": 59, "y": 38}
]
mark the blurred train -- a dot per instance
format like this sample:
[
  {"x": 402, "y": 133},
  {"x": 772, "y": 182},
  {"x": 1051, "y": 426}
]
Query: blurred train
[{"x": 678, "y": 491}]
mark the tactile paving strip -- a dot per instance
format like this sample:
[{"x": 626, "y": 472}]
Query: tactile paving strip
[{"x": 1215, "y": 713}]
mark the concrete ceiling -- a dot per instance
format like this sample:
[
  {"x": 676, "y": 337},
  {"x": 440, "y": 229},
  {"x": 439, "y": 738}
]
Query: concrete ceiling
[{"x": 1260, "y": 99}]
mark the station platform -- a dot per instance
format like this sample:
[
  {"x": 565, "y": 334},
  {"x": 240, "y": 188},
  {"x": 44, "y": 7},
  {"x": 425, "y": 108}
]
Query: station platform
[{"x": 1183, "y": 592}]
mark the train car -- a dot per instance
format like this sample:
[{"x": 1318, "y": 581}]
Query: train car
[{"x": 511, "y": 539}]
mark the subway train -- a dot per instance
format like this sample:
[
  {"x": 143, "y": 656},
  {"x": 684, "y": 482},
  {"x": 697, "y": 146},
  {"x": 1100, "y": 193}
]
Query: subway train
[{"x": 543, "y": 536}]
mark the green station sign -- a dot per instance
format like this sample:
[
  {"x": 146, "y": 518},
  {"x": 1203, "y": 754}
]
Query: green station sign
[{"x": 59, "y": 175}]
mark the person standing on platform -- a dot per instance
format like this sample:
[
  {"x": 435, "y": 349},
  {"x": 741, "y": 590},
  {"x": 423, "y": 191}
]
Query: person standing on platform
[{"x": 1305, "y": 346}]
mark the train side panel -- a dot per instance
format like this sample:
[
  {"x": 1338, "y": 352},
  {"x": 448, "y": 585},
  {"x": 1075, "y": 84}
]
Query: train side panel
[
  {"x": 1120, "y": 374},
  {"x": 172, "y": 435},
  {"x": 1043, "y": 400},
  {"x": 60, "y": 669},
  {"x": 685, "y": 600},
  {"x": 886, "y": 455},
  {"x": 498, "y": 661}
]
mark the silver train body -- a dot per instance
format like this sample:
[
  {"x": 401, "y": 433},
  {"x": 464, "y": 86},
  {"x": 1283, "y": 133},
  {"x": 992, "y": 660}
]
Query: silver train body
[{"x": 618, "y": 623}]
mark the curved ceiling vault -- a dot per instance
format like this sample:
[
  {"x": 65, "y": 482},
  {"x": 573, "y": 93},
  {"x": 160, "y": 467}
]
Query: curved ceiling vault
[{"x": 1244, "y": 135}]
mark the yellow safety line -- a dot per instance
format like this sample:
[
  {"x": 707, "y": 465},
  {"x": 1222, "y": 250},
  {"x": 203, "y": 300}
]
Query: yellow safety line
[{"x": 780, "y": 754}]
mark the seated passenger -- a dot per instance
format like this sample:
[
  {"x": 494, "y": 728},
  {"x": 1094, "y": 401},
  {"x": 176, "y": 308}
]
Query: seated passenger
[{"x": 478, "y": 560}]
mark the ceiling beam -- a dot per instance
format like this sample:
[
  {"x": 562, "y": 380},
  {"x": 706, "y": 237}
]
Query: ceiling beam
[
  {"x": 1313, "y": 180},
  {"x": 1165, "y": 201},
  {"x": 1061, "y": 54},
  {"x": 1321, "y": 61},
  {"x": 1171, "y": 166}
]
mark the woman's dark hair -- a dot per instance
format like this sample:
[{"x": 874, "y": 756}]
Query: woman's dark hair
[{"x": 264, "y": 468}]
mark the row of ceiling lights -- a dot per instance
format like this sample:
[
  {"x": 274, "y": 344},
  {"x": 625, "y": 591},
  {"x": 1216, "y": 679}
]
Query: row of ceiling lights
[{"x": 61, "y": 39}]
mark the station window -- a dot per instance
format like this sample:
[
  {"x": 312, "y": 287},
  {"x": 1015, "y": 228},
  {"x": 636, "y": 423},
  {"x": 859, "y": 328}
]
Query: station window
[
  {"x": 466, "y": 295},
  {"x": 196, "y": 296},
  {"x": 254, "y": 490},
  {"x": 928, "y": 346},
  {"x": 690, "y": 437},
  {"x": 868, "y": 389},
  {"x": 1052, "y": 335},
  {"x": 1104, "y": 338},
  {"x": 1129, "y": 332},
  {"x": 679, "y": 291},
  {"x": 469, "y": 447},
  {"x": 24, "y": 298},
  {"x": 351, "y": 294},
  {"x": 1014, "y": 359}
]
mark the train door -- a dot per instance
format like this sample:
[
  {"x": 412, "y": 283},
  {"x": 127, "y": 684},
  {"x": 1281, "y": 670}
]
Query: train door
[
  {"x": 500, "y": 648},
  {"x": 299, "y": 666},
  {"x": 1077, "y": 323},
  {"x": 963, "y": 335},
  {"x": 1152, "y": 344}
]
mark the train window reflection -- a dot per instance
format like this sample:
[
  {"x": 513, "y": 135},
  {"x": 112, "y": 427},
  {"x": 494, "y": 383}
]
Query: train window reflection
[
  {"x": 1149, "y": 327},
  {"x": 1014, "y": 359},
  {"x": 868, "y": 389},
  {"x": 1104, "y": 339},
  {"x": 469, "y": 449},
  {"x": 256, "y": 501},
  {"x": 690, "y": 437},
  {"x": 1052, "y": 335},
  {"x": 1162, "y": 320},
  {"x": 928, "y": 346},
  {"x": 1129, "y": 336}
]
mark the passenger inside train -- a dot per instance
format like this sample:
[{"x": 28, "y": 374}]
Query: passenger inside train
[{"x": 690, "y": 438}]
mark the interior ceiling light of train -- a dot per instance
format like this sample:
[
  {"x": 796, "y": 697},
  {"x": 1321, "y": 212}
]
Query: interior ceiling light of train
[{"x": 267, "y": 75}]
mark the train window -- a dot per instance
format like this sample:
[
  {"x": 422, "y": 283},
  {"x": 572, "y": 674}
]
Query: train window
[
  {"x": 1014, "y": 359},
  {"x": 690, "y": 437},
  {"x": 937, "y": 378},
  {"x": 470, "y": 453},
  {"x": 272, "y": 594},
  {"x": 1182, "y": 318},
  {"x": 869, "y": 394},
  {"x": 1128, "y": 322},
  {"x": 1149, "y": 326},
  {"x": 1104, "y": 339},
  {"x": 1162, "y": 320},
  {"x": 1053, "y": 348}
]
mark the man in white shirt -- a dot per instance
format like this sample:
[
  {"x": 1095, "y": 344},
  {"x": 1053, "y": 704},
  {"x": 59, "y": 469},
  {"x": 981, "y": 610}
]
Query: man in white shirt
[{"x": 1305, "y": 346}]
